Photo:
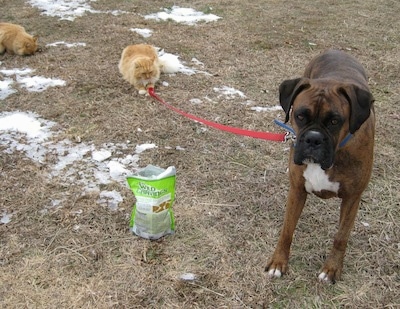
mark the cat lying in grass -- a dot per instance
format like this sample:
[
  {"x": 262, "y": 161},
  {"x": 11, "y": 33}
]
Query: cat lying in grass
[
  {"x": 141, "y": 66},
  {"x": 14, "y": 40}
]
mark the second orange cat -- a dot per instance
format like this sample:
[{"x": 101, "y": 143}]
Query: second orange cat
[{"x": 15, "y": 40}]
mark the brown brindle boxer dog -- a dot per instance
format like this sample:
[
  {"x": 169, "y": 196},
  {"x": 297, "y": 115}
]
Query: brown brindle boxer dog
[{"x": 331, "y": 110}]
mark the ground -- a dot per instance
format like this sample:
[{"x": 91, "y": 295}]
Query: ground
[{"x": 231, "y": 190}]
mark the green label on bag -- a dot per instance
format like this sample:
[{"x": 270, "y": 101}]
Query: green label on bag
[{"x": 154, "y": 190}]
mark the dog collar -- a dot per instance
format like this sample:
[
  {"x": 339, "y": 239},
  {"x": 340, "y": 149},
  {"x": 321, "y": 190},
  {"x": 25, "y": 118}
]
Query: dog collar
[
  {"x": 285, "y": 126},
  {"x": 345, "y": 140},
  {"x": 291, "y": 131}
]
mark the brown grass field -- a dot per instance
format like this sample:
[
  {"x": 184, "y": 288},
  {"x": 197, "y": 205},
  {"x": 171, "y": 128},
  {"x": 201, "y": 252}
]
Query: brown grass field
[{"x": 231, "y": 190}]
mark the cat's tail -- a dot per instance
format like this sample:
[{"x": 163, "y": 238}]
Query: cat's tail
[{"x": 169, "y": 63}]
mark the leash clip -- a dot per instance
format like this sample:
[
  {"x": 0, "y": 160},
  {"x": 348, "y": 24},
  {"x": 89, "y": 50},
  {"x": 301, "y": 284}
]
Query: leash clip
[{"x": 290, "y": 136}]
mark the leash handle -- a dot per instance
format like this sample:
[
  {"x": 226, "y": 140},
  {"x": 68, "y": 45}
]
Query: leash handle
[{"x": 277, "y": 137}]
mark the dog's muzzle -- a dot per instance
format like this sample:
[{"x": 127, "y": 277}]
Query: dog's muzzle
[{"x": 313, "y": 146}]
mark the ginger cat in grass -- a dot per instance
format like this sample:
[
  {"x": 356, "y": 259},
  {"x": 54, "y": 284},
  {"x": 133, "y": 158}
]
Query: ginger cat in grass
[
  {"x": 15, "y": 40},
  {"x": 140, "y": 66}
]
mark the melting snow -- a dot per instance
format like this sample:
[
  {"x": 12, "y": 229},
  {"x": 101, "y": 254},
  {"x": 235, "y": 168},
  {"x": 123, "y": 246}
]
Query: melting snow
[
  {"x": 39, "y": 83},
  {"x": 67, "y": 9},
  {"x": 110, "y": 199},
  {"x": 17, "y": 72},
  {"x": 146, "y": 33},
  {"x": 266, "y": 109},
  {"x": 5, "y": 88},
  {"x": 101, "y": 155},
  {"x": 143, "y": 147},
  {"x": 77, "y": 164},
  {"x": 228, "y": 92},
  {"x": 30, "y": 83},
  {"x": 188, "y": 277},
  {"x": 65, "y": 44},
  {"x": 5, "y": 218},
  {"x": 186, "y": 16}
]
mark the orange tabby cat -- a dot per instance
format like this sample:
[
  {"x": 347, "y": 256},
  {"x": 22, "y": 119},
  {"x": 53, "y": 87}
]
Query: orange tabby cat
[
  {"x": 15, "y": 40},
  {"x": 140, "y": 66}
]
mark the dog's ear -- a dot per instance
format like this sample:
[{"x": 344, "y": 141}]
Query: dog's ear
[
  {"x": 360, "y": 101},
  {"x": 288, "y": 91}
]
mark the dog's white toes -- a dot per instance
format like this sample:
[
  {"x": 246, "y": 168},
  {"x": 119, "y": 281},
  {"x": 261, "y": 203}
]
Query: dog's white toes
[
  {"x": 323, "y": 277},
  {"x": 274, "y": 273}
]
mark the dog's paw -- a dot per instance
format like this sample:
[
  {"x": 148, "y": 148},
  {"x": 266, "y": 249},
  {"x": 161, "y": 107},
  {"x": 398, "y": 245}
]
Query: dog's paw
[
  {"x": 327, "y": 278},
  {"x": 274, "y": 273},
  {"x": 332, "y": 269},
  {"x": 324, "y": 277},
  {"x": 329, "y": 275},
  {"x": 276, "y": 269}
]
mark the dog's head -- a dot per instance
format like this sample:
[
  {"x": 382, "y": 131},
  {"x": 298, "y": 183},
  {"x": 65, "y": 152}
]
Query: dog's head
[{"x": 322, "y": 113}]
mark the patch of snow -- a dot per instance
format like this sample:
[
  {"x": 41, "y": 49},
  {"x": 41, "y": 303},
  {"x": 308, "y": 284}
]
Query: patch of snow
[
  {"x": 68, "y": 9},
  {"x": 72, "y": 164},
  {"x": 27, "y": 123},
  {"x": 117, "y": 170},
  {"x": 114, "y": 12},
  {"x": 229, "y": 92},
  {"x": 19, "y": 72},
  {"x": 186, "y": 16},
  {"x": 195, "y": 101},
  {"x": 39, "y": 83},
  {"x": 188, "y": 277},
  {"x": 30, "y": 83},
  {"x": 101, "y": 155},
  {"x": 5, "y": 88},
  {"x": 197, "y": 62},
  {"x": 110, "y": 199},
  {"x": 5, "y": 218},
  {"x": 266, "y": 109},
  {"x": 69, "y": 45},
  {"x": 143, "y": 147},
  {"x": 146, "y": 33}
]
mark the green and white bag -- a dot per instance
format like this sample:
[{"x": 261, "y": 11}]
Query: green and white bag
[{"x": 154, "y": 189}]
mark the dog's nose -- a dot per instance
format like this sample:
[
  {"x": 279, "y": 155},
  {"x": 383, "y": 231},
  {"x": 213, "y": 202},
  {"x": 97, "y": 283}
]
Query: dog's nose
[{"x": 313, "y": 138}]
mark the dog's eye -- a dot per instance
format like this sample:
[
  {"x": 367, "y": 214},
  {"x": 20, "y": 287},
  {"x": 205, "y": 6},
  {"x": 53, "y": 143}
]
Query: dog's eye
[
  {"x": 300, "y": 117},
  {"x": 334, "y": 122}
]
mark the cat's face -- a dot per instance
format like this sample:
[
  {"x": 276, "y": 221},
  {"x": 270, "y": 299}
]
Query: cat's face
[
  {"x": 28, "y": 46},
  {"x": 146, "y": 69}
]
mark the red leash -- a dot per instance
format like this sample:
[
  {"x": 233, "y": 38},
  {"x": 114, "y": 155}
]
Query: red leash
[{"x": 277, "y": 137}]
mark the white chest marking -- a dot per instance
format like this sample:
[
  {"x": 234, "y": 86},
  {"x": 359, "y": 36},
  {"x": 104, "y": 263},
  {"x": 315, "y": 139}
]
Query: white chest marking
[{"x": 317, "y": 180}]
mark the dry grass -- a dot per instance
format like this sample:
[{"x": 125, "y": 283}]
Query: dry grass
[{"x": 230, "y": 190}]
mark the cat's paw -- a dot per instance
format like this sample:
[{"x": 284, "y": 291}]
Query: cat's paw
[{"x": 142, "y": 91}]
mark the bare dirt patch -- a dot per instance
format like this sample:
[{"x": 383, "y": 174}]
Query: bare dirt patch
[{"x": 231, "y": 190}]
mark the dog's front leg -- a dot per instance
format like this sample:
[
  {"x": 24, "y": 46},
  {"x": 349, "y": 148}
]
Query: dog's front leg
[
  {"x": 278, "y": 264},
  {"x": 332, "y": 269}
]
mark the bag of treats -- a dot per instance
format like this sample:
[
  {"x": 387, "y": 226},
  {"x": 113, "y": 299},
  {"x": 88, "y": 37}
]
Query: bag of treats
[{"x": 154, "y": 189}]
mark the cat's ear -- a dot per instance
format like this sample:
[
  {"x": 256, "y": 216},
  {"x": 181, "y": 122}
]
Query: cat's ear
[{"x": 35, "y": 38}]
